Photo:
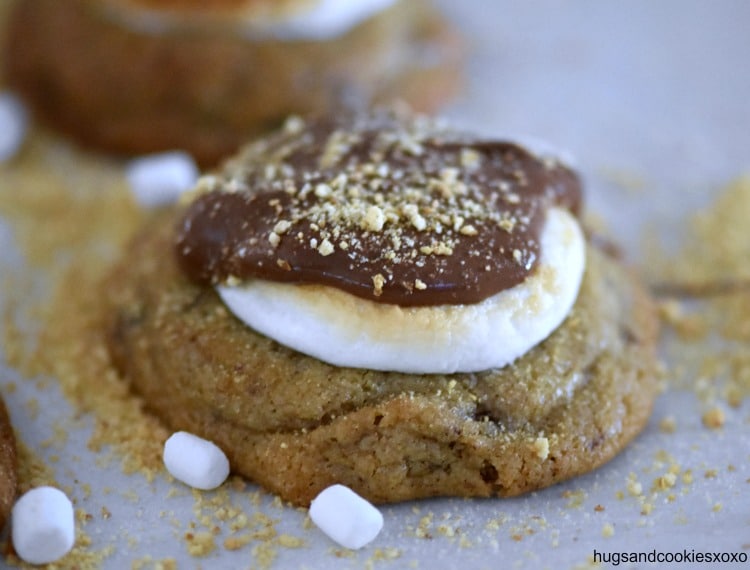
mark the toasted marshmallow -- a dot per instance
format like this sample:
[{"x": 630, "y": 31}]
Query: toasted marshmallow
[
  {"x": 344, "y": 330},
  {"x": 326, "y": 19},
  {"x": 292, "y": 20}
]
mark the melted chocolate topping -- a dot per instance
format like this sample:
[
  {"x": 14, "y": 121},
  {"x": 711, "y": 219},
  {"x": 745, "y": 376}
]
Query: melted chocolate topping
[{"x": 390, "y": 209}]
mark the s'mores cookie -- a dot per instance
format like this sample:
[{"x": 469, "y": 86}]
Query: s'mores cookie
[
  {"x": 382, "y": 302},
  {"x": 8, "y": 477},
  {"x": 138, "y": 76}
]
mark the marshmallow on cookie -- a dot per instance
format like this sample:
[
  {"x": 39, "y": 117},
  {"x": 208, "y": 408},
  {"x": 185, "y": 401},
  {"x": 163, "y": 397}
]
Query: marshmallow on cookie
[{"x": 389, "y": 247}]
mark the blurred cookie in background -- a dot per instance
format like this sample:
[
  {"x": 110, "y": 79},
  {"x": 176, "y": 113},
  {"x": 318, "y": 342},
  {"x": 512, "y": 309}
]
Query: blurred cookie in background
[
  {"x": 140, "y": 76},
  {"x": 8, "y": 478}
]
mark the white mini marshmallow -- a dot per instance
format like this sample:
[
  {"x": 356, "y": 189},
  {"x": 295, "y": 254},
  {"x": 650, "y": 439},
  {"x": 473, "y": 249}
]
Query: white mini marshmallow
[
  {"x": 43, "y": 525},
  {"x": 345, "y": 517},
  {"x": 160, "y": 179},
  {"x": 195, "y": 461},
  {"x": 14, "y": 122}
]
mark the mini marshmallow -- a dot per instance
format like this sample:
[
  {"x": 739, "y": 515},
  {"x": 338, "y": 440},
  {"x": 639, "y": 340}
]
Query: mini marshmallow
[
  {"x": 160, "y": 179},
  {"x": 195, "y": 461},
  {"x": 14, "y": 122},
  {"x": 43, "y": 525},
  {"x": 345, "y": 517}
]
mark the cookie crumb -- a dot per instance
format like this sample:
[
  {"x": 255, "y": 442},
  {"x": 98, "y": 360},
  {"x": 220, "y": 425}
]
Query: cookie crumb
[
  {"x": 446, "y": 530},
  {"x": 237, "y": 542},
  {"x": 608, "y": 530},
  {"x": 423, "y": 529},
  {"x": 294, "y": 124},
  {"x": 714, "y": 418},
  {"x": 374, "y": 219},
  {"x": 200, "y": 544},
  {"x": 670, "y": 311},
  {"x": 634, "y": 486},
  {"x": 385, "y": 554},
  {"x": 541, "y": 447},
  {"x": 378, "y": 281},
  {"x": 325, "y": 248},
  {"x": 470, "y": 158},
  {"x": 668, "y": 424},
  {"x": 281, "y": 227},
  {"x": 289, "y": 541},
  {"x": 576, "y": 498},
  {"x": 665, "y": 481},
  {"x": 411, "y": 211}
]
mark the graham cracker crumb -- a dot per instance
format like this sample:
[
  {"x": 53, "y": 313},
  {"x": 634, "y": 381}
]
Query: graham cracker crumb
[
  {"x": 470, "y": 159},
  {"x": 576, "y": 498},
  {"x": 289, "y": 541},
  {"x": 148, "y": 562},
  {"x": 385, "y": 554},
  {"x": 264, "y": 553},
  {"x": 200, "y": 544},
  {"x": 668, "y": 424},
  {"x": 325, "y": 248},
  {"x": 634, "y": 487},
  {"x": 374, "y": 219},
  {"x": 378, "y": 281},
  {"x": 714, "y": 418},
  {"x": 446, "y": 530},
  {"x": 716, "y": 248},
  {"x": 665, "y": 481},
  {"x": 237, "y": 542},
  {"x": 541, "y": 447},
  {"x": 423, "y": 530},
  {"x": 711, "y": 268}
]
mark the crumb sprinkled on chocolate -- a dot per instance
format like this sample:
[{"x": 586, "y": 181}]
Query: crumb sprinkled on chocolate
[{"x": 388, "y": 194}]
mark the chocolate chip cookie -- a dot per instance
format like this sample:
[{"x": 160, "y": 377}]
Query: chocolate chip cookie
[
  {"x": 143, "y": 76},
  {"x": 296, "y": 423}
]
